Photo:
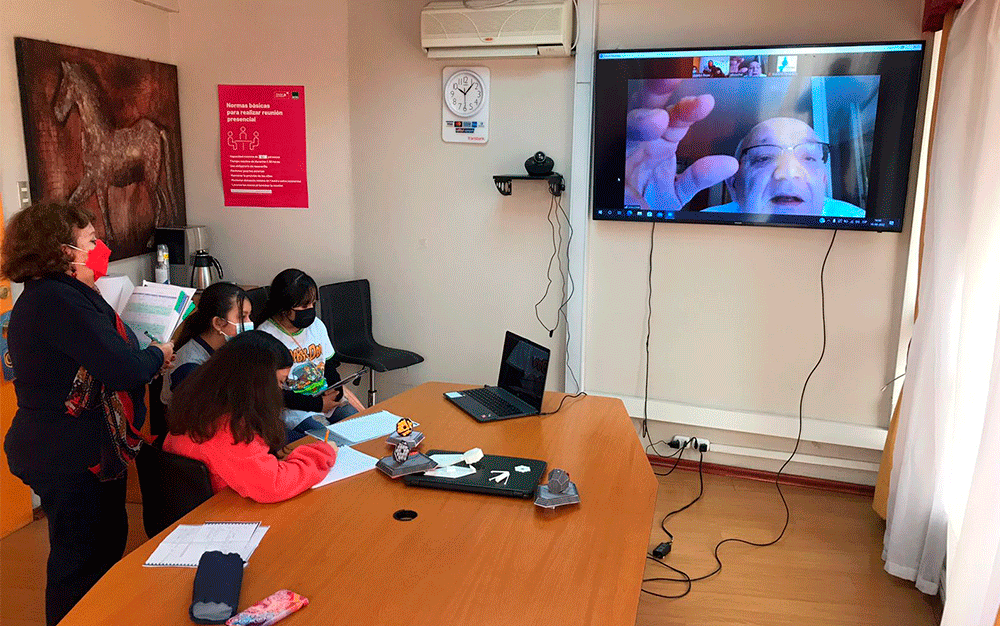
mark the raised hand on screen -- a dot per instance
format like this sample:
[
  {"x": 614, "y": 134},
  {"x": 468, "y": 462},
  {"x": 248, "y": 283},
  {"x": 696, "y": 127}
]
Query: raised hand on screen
[{"x": 654, "y": 131}]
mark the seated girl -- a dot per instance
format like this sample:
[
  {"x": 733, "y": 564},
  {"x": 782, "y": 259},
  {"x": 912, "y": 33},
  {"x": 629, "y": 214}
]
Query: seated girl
[
  {"x": 227, "y": 414},
  {"x": 223, "y": 312},
  {"x": 290, "y": 316}
]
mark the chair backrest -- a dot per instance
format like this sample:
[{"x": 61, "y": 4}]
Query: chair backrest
[
  {"x": 171, "y": 486},
  {"x": 258, "y": 297},
  {"x": 347, "y": 314}
]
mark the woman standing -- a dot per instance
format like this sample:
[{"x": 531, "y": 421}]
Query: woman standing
[{"x": 80, "y": 394}]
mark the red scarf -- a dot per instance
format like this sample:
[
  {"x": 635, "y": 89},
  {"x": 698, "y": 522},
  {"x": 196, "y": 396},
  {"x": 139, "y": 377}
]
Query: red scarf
[{"x": 120, "y": 439}]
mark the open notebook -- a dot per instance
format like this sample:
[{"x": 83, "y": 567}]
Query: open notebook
[{"x": 184, "y": 546}]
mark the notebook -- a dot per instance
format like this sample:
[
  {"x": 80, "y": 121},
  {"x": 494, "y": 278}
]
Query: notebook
[
  {"x": 184, "y": 546},
  {"x": 359, "y": 429},
  {"x": 350, "y": 462}
]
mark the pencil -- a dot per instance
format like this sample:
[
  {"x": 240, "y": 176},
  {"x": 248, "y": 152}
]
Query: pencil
[{"x": 326, "y": 437}]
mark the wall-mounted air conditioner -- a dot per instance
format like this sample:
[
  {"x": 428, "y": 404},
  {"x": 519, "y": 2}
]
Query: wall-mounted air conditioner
[{"x": 494, "y": 28}]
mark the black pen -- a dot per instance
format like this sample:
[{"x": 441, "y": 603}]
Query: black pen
[{"x": 151, "y": 338}]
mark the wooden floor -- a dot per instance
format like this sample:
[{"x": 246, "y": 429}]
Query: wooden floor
[
  {"x": 825, "y": 571},
  {"x": 22, "y": 569}
]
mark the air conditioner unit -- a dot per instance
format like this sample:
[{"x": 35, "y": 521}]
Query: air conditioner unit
[{"x": 492, "y": 28}]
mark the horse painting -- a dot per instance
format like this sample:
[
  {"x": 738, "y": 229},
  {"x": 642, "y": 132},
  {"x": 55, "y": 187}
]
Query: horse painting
[
  {"x": 114, "y": 157},
  {"x": 102, "y": 131}
]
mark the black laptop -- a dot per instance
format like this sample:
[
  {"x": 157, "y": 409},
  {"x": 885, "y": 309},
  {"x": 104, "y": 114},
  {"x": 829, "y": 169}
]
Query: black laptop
[
  {"x": 519, "y": 391},
  {"x": 495, "y": 475}
]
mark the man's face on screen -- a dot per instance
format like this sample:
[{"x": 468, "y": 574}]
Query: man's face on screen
[
  {"x": 754, "y": 68},
  {"x": 782, "y": 169}
]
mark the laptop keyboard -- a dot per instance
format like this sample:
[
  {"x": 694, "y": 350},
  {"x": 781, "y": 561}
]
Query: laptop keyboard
[{"x": 497, "y": 405}]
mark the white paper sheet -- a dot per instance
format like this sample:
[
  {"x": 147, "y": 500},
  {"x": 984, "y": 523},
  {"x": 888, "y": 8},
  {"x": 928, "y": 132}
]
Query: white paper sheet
[
  {"x": 184, "y": 546},
  {"x": 350, "y": 462},
  {"x": 115, "y": 290},
  {"x": 367, "y": 427}
]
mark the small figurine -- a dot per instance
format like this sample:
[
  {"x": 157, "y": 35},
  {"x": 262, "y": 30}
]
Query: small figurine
[
  {"x": 405, "y": 434},
  {"x": 404, "y": 458},
  {"x": 559, "y": 491},
  {"x": 404, "y": 427},
  {"x": 401, "y": 453},
  {"x": 558, "y": 481}
]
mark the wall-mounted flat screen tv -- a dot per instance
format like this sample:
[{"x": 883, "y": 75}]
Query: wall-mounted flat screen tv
[{"x": 815, "y": 136}]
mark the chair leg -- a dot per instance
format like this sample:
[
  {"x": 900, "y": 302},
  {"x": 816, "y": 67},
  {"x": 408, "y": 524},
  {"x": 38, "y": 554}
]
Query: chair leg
[{"x": 371, "y": 387}]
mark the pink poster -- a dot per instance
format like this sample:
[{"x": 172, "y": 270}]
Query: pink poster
[{"x": 262, "y": 133}]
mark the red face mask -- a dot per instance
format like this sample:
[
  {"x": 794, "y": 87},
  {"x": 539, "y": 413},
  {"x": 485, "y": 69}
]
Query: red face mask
[{"x": 97, "y": 259}]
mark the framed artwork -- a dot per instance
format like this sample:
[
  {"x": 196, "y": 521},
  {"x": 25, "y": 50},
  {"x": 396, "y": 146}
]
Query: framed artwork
[{"x": 102, "y": 131}]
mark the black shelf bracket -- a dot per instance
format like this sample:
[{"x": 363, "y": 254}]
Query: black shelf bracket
[{"x": 505, "y": 185}]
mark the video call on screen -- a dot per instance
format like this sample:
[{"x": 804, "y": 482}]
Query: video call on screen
[{"x": 812, "y": 136}]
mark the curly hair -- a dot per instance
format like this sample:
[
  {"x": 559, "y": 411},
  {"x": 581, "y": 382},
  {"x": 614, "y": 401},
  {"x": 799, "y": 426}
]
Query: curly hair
[{"x": 32, "y": 245}]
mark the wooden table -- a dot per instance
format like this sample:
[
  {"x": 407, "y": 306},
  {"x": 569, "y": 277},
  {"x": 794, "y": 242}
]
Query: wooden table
[{"x": 467, "y": 559}]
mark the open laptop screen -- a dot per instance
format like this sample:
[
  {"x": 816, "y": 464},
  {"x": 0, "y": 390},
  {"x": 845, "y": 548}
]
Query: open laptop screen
[{"x": 523, "y": 369}]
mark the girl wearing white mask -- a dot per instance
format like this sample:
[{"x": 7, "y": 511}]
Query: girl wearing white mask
[{"x": 223, "y": 312}]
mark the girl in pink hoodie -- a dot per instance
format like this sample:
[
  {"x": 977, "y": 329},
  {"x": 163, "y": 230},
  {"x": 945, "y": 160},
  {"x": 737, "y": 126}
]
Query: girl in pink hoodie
[{"x": 227, "y": 414}]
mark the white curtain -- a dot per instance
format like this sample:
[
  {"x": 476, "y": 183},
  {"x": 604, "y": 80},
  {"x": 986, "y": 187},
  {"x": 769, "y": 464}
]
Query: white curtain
[{"x": 943, "y": 492}]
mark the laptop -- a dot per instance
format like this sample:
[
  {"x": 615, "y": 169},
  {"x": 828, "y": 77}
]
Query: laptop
[
  {"x": 495, "y": 475},
  {"x": 519, "y": 390}
]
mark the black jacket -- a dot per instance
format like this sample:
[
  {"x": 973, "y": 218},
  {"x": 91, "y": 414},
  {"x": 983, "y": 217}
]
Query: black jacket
[{"x": 58, "y": 325}]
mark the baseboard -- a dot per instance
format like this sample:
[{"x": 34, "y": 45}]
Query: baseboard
[
  {"x": 809, "y": 482},
  {"x": 846, "y": 434}
]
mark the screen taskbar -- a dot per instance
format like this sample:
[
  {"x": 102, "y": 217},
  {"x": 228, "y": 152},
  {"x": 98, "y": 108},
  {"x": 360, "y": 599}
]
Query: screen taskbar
[
  {"x": 784, "y": 50},
  {"x": 761, "y": 219}
]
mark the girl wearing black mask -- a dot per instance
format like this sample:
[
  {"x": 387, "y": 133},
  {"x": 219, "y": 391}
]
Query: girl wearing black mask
[{"x": 290, "y": 316}]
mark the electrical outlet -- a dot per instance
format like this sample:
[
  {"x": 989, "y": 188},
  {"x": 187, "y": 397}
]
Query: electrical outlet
[
  {"x": 23, "y": 195},
  {"x": 698, "y": 444},
  {"x": 678, "y": 441}
]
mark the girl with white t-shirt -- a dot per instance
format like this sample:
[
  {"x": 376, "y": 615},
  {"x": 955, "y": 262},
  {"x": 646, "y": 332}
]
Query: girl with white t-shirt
[{"x": 290, "y": 316}]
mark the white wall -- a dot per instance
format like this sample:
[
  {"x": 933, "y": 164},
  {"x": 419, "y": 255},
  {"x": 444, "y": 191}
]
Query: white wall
[
  {"x": 117, "y": 26},
  {"x": 269, "y": 42},
  {"x": 736, "y": 309},
  {"x": 483, "y": 265}
]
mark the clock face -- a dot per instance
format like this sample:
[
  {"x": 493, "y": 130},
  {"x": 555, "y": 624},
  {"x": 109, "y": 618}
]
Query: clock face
[{"x": 464, "y": 93}]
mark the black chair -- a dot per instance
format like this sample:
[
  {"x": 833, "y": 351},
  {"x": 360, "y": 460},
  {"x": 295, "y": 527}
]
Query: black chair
[
  {"x": 171, "y": 486},
  {"x": 257, "y": 297},
  {"x": 347, "y": 313}
]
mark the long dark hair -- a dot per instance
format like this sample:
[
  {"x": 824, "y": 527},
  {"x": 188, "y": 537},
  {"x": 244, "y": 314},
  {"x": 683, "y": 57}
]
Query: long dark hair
[
  {"x": 289, "y": 289},
  {"x": 217, "y": 300},
  {"x": 238, "y": 382}
]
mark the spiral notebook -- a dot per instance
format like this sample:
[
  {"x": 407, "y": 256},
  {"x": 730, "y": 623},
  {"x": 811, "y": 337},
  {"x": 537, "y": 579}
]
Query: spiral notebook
[{"x": 184, "y": 546}]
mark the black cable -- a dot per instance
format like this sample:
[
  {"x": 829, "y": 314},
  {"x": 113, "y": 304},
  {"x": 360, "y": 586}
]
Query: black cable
[
  {"x": 777, "y": 478},
  {"x": 556, "y": 208},
  {"x": 578, "y": 394},
  {"x": 548, "y": 271},
  {"x": 657, "y": 452},
  {"x": 572, "y": 290},
  {"x": 701, "y": 492},
  {"x": 686, "y": 579},
  {"x": 679, "y": 454},
  {"x": 569, "y": 242},
  {"x": 649, "y": 319}
]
